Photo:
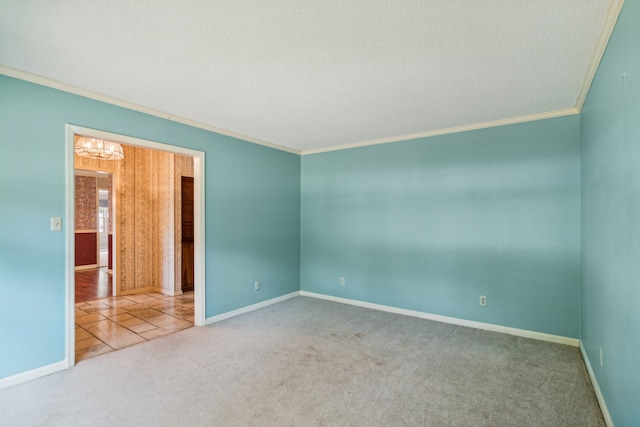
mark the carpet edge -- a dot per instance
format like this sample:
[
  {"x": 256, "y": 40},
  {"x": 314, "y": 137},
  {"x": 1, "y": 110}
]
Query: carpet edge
[{"x": 573, "y": 342}]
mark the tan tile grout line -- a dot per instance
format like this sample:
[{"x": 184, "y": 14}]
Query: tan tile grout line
[{"x": 146, "y": 300}]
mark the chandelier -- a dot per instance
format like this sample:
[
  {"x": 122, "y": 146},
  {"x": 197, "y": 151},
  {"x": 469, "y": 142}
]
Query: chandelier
[{"x": 98, "y": 149}]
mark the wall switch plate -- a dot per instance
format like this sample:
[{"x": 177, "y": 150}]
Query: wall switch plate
[
  {"x": 56, "y": 223},
  {"x": 483, "y": 300},
  {"x": 257, "y": 286},
  {"x": 342, "y": 281}
]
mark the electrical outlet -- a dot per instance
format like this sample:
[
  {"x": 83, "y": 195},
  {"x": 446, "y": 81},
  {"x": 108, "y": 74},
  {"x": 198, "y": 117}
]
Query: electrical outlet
[
  {"x": 600, "y": 350},
  {"x": 257, "y": 286},
  {"x": 483, "y": 300},
  {"x": 342, "y": 281}
]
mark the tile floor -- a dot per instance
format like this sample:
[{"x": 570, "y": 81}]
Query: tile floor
[{"x": 109, "y": 324}]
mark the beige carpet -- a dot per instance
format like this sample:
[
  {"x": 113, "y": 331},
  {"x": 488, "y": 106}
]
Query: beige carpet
[{"x": 307, "y": 362}]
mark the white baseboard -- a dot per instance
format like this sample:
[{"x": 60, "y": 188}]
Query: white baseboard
[
  {"x": 33, "y": 374},
  {"x": 249, "y": 308},
  {"x": 596, "y": 388},
  {"x": 574, "y": 342}
]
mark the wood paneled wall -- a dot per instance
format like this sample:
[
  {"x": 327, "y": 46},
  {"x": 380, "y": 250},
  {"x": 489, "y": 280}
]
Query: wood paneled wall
[
  {"x": 89, "y": 164},
  {"x": 110, "y": 207},
  {"x": 147, "y": 194}
]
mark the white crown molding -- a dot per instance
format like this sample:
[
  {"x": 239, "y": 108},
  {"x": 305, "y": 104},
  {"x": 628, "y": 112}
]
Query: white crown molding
[
  {"x": 615, "y": 6},
  {"x": 574, "y": 342},
  {"x": 612, "y": 16},
  {"x": 44, "y": 81},
  {"x": 596, "y": 388},
  {"x": 456, "y": 129}
]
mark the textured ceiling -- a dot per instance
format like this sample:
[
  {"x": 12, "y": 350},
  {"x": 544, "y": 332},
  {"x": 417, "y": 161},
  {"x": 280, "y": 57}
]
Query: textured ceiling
[{"x": 314, "y": 74}]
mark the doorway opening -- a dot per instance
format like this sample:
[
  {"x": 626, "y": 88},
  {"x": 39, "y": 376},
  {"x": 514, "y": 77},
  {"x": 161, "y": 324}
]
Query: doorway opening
[
  {"x": 186, "y": 208},
  {"x": 93, "y": 232},
  {"x": 104, "y": 219},
  {"x": 145, "y": 274}
]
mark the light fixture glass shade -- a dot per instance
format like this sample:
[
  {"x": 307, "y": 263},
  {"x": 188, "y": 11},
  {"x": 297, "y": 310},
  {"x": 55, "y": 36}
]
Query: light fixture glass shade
[{"x": 98, "y": 149}]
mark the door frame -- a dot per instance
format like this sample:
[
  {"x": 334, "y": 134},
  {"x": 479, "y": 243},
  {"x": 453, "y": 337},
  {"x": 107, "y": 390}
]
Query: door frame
[
  {"x": 98, "y": 251},
  {"x": 198, "y": 213}
]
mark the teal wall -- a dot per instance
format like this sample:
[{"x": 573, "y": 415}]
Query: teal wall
[
  {"x": 432, "y": 224},
  {"x": 546, "y": 228},
  {"x": 611, "y": 220},
  {"x": 252, "y": 215}
]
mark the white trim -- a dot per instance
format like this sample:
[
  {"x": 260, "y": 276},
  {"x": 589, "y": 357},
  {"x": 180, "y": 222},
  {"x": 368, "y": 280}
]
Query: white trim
[
  {"x": 456, "y": 129},
  {"x": 55, "y": 84},
  {"x": 596, "y": 388},
  {"x": 133, "y": 141},
  {"x": 23, "y": 377},
  {"x": 252, "y": 307},
  {"x": 44, "y": 81},
  {"x": 70, "y": 237},
  {"x": 199, "y": 264},
  {"x": 615, "y": 6},
  {"x": 574, "y": 342}
]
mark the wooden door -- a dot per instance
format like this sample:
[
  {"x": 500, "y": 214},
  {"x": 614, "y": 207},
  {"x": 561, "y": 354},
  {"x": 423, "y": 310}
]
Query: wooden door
[{"x": 187, "y": 234}]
